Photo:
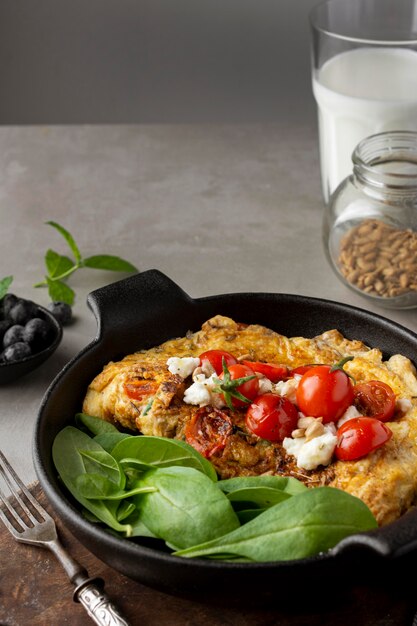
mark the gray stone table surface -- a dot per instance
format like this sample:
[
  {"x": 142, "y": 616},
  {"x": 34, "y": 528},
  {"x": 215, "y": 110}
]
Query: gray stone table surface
[{"x": 219, "y": 209}]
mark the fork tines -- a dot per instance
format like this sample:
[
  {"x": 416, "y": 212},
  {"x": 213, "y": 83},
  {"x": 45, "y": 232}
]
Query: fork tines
[{"x": 19, "y": 510}]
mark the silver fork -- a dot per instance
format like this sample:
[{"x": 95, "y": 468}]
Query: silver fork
[{"x": 28, "y": 522}]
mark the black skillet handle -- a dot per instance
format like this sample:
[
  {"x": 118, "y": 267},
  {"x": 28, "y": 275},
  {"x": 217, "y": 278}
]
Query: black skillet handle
[
  {"x": 391, "y": 541},
  {"x": 141, "y": 299}
]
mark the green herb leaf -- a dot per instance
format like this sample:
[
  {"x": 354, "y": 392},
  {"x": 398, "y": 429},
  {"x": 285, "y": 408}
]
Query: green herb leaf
[
  {"x": 60, "y": 267},
  {"x": 4, "y": 285},
  {"x": 311, "y": 522},
  {"x": 109, "y": 262},
  {"x": 60, "y": 292},
  {"x": 57, "y": 264},
  {"x": 228, "y": 387},
  {"x": 68, "y": 238}
]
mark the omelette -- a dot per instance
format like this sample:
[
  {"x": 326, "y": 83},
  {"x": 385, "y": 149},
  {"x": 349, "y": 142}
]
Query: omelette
[{"x": 141, "y": 393}]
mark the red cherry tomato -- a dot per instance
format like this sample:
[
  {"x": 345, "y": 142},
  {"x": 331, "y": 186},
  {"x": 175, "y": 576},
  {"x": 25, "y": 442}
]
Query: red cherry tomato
[
  {"x": 375, "y": 399},
  {"x": 301, "y": 369},
  {"x": 140, "y": 389},
  {"x": 324, "y": 392},
  {"x": 359, "y": 436},
  {"x": 215, "y": 359},
  {"x": 208, "y": 430},
  {"x": 270, "y": 370},
  {"x": 236, "y": 392},
  {"x": 272, "y": 417}
]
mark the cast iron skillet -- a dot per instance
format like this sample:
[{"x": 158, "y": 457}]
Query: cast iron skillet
[{"x": 147, "y": 309}]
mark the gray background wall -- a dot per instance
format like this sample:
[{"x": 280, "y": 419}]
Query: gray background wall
[{"x": 99, "y": 61}]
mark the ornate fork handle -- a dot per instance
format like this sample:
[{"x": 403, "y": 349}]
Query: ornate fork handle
[
  {"x": 88, "y": 591},
  {"x": 97, "y": 604}
]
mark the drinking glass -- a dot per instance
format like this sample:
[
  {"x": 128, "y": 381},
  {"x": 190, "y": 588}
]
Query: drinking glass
[{"x": 364, "y": 73}]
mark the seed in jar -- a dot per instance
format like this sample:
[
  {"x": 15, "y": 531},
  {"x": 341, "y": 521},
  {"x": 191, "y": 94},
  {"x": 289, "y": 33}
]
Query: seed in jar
[
  {"x": 404, "y": 280},
  {"x": 379, "y": 258}
]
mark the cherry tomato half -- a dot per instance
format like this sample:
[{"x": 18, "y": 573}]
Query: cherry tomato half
[
  {"x": 272, "y": 417},
  {"x": 215, "y": 359},
  {"x": 359, "y": 436},
  {"x": 324, "y": 392},
  {"x": 375, "y": 399},
  {"x": 273, "y": 372},
  {"x": 232, "y": 387},
  {"x": 140, "y": 389},
  {"x": 208, "y": 430}
]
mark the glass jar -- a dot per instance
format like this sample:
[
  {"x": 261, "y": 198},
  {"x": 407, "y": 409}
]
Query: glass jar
[{"x": 370, "y": 223}]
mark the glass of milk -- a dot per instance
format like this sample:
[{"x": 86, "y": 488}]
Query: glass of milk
[{"x": 364, "y": 55}]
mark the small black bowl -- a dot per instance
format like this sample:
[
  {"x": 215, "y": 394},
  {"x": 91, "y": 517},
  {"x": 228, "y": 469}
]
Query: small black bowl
[{"x": 10, "y": 372}]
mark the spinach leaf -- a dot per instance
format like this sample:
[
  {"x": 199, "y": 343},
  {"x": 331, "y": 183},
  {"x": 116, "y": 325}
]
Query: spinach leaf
[
  {"x": 108, "y": 440},
  {"x": 246, "y": 515},
  {"x": 101, "y": 462},
  {"x": 95, "y": 425},
  {"x": 106, "y": 434},
  {"x": 125, "y": 509},
  {"x": 311, "y": 522},
  {"x": 71, "y": 464},
  {"x": 97, "y": 486},
  {"x": 261, "y": 497},
  {"x": 162, "y": 452},
  {"x": 282, "y": 483},
  {"x": 186, "y": 509}
]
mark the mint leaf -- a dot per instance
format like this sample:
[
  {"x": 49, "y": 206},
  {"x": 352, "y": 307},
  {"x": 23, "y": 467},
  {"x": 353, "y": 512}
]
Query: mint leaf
[
  {"x": 60, "y": 267},
  {"x": 4, "y": 285},
  {"x": 57, "y": 264},
  {"x": 109, "y": 262},
  {"x": 68, "y": 238},
  {"x": 60, "y": 292}
]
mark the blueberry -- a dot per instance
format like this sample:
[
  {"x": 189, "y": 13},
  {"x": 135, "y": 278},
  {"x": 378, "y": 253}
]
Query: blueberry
[
  {"x": 17, "y": 351},
  {"x": 23, "y": 311},
  {"x": 9, "y": 301},
  {"x": 61, "y": 311},
  {"x": 4, "y": 325},
  {"x": 13, "y": 335},
  {"x": 35, "y": 331}
]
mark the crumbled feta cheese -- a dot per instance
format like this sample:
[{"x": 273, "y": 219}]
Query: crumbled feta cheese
[
  {"x": 183, "y": 366},
  {"x": 201, "y": 392},
  {"x": 293, "y": 445},
  {"x": 403, "y": 405},
  {"x": 197, "y": 393},
  {"x": 310, "y": 454},
  {"x": 265, "y": 385},
  {"x": 288, "y": 388},
  {"x": 349, "y": 414}
]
